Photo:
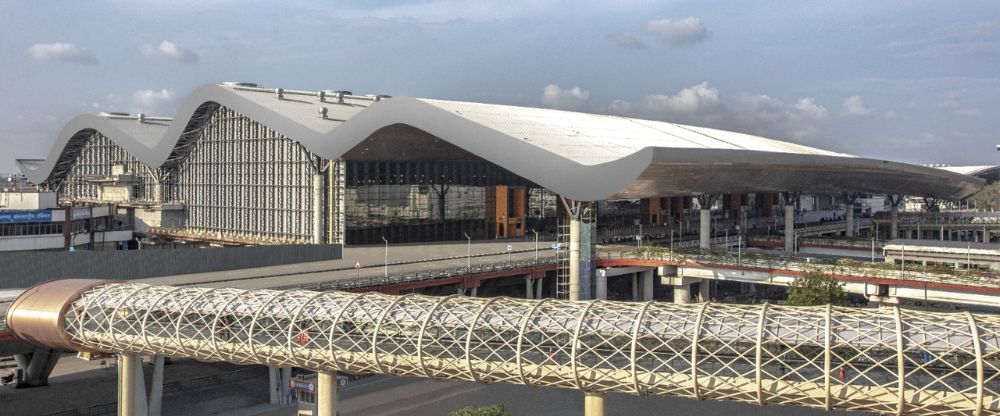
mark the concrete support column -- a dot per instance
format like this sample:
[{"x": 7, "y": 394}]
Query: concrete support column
[
  {"x": 286, "y": 390},
  {"x": 705, "y": 290},
  {"x": 528, "y": 287},
  {"x": 941, "y": 234},
  {"x": 705, "y": 229},
  {"x": 326, "y": 393},
  {"x": 156, "y": 387},
  {"x": 789, "y": 227},
  {"x": 474, "y": 291},
  {"x": 131, "y": 386},
  {"x": 647, "y": 284},
  {"x": 850, "y": 220},
  {"x": 574, "y": 259},
  {"x": 274, "y": 383},
  {"x": 601, "y": 286},
  {"x": 682, "y": 294},
  {"x": 635, "y": 287},
  {"x": 593, "y": 404},
  {"x": 538, "y": 288}
]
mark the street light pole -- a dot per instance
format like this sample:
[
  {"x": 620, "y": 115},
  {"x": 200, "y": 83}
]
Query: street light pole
[
  {"x": 385, "y": 267},
  {"x": 468, "y": 254}
]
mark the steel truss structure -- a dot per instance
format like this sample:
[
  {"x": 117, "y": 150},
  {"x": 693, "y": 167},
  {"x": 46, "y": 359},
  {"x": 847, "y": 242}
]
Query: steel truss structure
[
  {"x": 94, "y": 158},
  {"x": 887, "y": 361},
  {"x": 241, "y": 179}
]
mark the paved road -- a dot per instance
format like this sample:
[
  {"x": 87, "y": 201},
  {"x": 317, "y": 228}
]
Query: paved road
[{"x": 392, "y": 396}]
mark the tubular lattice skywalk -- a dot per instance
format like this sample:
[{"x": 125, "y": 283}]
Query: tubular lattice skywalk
[{"x": 887, "y": 361}]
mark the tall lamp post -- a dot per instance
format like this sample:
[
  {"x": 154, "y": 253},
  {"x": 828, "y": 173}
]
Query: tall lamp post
[{"x": 385, "y": 267}]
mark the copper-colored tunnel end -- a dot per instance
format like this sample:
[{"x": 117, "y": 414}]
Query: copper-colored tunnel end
[{"x": 39, "y": 314}]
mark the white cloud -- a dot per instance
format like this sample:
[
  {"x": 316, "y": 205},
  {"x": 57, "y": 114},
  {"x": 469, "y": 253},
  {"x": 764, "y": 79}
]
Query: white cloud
[
  {"x": 626, "y": 40},
  {"x": 152, "y": 102},
  {"x": 66, "y": 52},
  {"x": 689, "y": 100},
  {"x": 705, "y": 105},
  {"x": 854, "y": 106},
  {"x": 169, "y": 50},
  {"x": 678, "y": 32},
  {"x": 564, "y": 99},
  {"x": 620, "y": 107}
]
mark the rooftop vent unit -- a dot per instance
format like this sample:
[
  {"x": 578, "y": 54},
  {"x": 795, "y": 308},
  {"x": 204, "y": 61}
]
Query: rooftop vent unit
[
  {"x": 337, "y": 93},
  {"x": 279, "y": 93},
  {"x": 141, "y": 118},
  {"x": 240, "y": 84},
  {"x": 322, "y": 113},
  {"x": 322, "y": 96}
]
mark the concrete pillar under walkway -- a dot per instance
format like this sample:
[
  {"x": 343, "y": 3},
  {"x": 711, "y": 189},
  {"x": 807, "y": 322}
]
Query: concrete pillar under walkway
[
  {"x": 593, "y": 404},
  {"x": 682, "y": 294},
  {"x": 705, "y": 290},
  {"x": 646, "y": 278},
  {"x": 601, "y": 286},
  {"x": 326, "y": 393}
]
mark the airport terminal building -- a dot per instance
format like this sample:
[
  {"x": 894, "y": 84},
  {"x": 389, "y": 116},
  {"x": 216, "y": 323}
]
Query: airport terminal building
[{"x": 243, "y": 164}]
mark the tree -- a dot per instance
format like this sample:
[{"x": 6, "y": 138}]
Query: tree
[
  {"x": 988, "y": 198},
  {"x": 816, "y": 288},
  {"x": 491, "y": 410}
]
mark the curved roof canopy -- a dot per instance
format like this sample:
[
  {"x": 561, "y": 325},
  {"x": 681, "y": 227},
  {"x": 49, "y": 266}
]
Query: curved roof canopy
[
  {"x": 990, "y": 173},
  {"x": 581, "y": 156}
]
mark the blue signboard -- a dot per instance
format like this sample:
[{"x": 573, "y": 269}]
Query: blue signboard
[
  {"x": 41, "y": 215},
  {"x": 81, "y": 213}
]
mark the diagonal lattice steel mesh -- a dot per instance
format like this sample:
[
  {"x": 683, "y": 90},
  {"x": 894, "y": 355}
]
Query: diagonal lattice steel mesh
[{"x": 888, "y": 360}]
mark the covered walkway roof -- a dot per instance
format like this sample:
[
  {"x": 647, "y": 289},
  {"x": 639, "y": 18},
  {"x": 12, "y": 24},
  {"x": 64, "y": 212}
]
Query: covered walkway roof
[{"x": 581, "y": 156}]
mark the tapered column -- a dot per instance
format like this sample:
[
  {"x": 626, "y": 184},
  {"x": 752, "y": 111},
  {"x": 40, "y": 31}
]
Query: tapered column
[
  {"x": 705, "y": 290},
  {"x": 593, "y": 404},
  {"x": 326, "y": 393}
]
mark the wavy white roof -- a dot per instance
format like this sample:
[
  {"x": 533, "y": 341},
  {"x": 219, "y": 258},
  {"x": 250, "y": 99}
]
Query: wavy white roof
[{"x": 582, "y": 156}]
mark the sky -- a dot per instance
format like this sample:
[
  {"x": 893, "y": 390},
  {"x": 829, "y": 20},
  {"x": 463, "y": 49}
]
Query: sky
[{"x": 910, "y": 81}]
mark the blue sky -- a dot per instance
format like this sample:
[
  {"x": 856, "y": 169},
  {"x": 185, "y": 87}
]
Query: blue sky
[{"x": 913, "y": 81}]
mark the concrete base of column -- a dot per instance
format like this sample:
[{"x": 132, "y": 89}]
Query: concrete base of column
[
  {"x": 705, "y": 290},
  {"x": 593, "y": 404}
]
